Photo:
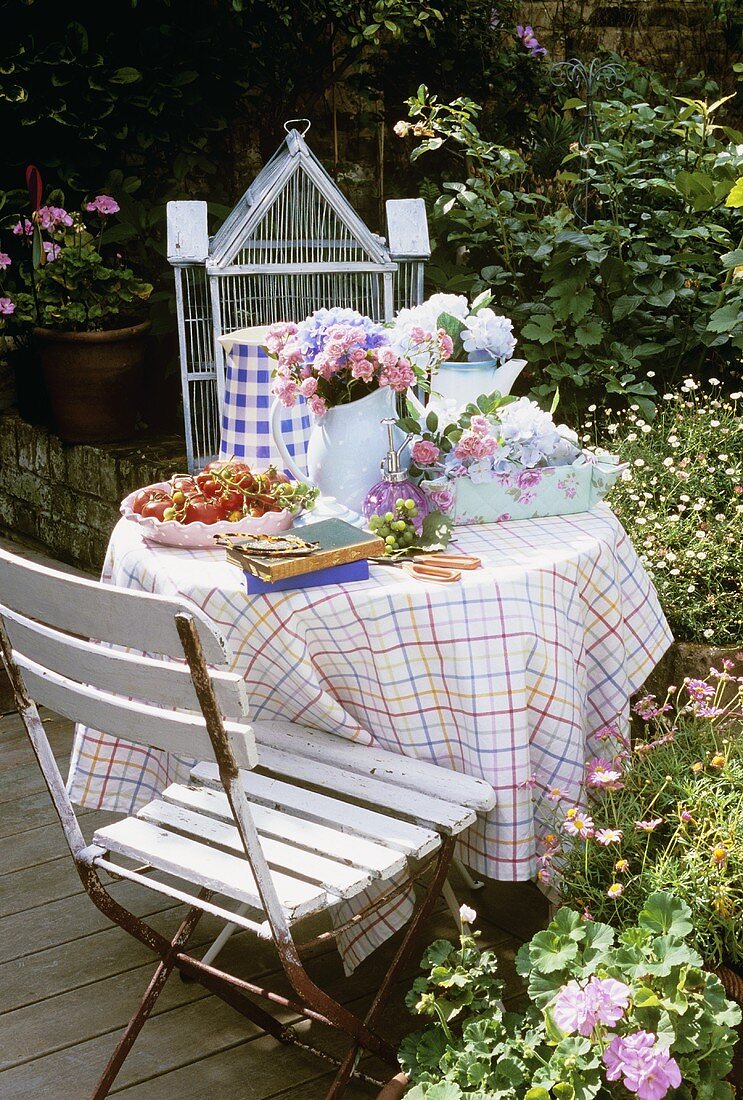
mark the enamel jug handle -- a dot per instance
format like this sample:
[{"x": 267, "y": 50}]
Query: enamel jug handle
[{"x": 289, "y": 464}]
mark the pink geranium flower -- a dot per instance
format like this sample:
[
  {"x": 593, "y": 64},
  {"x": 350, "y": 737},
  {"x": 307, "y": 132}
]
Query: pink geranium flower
[
  {"x": 51, "y": 250},
  {"x": 23, "y": 228},
  {"x": 104, "y": 205},
  {"x": 580, "y": 1008},
  {"x": 646, "y": 1068},
  {"x": 51, "y": 217},
  {"x": 7, "y": 306},
  {"x": 5, "y": 261}
]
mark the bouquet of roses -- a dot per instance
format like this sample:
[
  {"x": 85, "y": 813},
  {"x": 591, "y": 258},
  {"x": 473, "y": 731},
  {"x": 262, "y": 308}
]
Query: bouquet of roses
[{"x": 336, "y": 356}]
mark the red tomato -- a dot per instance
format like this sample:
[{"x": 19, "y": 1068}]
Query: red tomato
[
  {"x": 145, "y": 495},
  {"x": 233, "y": 501},
  {"x": 201, "y": 510},
  {"x": 157, "y": 507},
  {"x": 225, "y": 466},
  {"x": 208, "y": 485},
  {"x": 274, "y": 476},
  {"x": 184, "y": 482}
]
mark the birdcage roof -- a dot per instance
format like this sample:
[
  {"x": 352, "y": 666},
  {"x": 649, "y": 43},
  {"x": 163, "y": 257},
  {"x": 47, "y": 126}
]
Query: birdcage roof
[{"x": 291, "y": 165}]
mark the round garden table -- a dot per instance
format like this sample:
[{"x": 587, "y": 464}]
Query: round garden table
[{"x": 510, "y": 674}]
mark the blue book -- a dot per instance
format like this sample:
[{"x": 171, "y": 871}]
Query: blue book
[{"x": 334, "y": 574}]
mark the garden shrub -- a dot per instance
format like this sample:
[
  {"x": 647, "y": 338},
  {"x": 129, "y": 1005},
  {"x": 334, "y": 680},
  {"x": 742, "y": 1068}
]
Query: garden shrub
[
  {"x": 681, "y": 502},
  {"x": 626, "y": 260}
]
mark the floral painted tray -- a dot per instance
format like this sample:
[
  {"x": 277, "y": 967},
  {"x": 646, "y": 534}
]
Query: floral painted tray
[{"x": 519, "y": 493}]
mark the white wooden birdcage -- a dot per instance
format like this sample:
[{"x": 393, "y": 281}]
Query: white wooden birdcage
[{"x": 293, "y": 244}]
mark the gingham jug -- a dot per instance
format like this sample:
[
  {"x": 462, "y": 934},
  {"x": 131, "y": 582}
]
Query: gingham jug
[{"x": 246, "y": 420}]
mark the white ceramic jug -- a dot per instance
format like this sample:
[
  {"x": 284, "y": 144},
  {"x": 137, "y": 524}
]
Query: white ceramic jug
[
  {"x": 345, "y": 449},
  {"x": 465, "y": 382}
]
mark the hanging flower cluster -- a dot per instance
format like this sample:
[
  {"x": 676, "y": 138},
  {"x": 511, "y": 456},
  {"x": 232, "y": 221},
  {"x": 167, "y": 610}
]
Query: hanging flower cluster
[{"x": 336, "y": 356}]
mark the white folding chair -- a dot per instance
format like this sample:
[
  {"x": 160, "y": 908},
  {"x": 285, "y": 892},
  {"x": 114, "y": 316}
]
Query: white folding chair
[{"x": 264, "y": 836}]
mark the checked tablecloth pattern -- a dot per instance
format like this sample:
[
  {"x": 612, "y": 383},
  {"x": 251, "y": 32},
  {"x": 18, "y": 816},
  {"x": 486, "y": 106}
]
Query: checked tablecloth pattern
[{"x": 510, "y": 674}]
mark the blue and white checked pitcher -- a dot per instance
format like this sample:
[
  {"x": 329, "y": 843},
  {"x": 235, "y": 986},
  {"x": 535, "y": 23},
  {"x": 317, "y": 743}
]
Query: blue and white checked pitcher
[{"x": 246, "y": 421}]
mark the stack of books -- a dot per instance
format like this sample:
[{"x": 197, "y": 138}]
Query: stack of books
[{"x": 340, "y": 554}]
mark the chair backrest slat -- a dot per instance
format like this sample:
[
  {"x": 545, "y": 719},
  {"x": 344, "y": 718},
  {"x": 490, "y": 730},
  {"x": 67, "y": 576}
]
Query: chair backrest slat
[
  {"x": 137, "y": 620},
  {"x": 161, "y": 683},
  {"x": 131, "y": 695},
  {"x": 180, "y": 732}
]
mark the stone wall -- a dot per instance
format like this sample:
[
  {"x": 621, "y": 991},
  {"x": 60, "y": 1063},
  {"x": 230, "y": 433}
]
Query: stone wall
[
  {"x": 65, "y": 499},
  {"x": 662, "y": 35}
]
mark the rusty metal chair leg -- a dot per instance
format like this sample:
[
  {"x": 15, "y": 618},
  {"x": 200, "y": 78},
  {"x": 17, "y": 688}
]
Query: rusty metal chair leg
[
  {"x": 421, "y": 914},
  {"x": 153, "y": 991}
]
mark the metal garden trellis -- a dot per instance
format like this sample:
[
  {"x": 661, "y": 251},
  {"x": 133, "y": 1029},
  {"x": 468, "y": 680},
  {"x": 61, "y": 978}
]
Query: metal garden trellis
[{"x": 292, "y": 244}]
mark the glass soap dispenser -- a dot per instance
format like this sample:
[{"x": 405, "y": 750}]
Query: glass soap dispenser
[{"x": 395, "y": 484}]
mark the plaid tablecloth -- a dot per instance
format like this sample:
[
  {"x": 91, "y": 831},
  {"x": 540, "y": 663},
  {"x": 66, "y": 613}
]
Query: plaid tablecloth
[{"x": 509, "y": 674}]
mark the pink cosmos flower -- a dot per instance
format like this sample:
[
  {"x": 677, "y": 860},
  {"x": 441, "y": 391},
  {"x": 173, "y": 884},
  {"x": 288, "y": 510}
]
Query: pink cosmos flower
[
  {"x": 586, "y": 915},
  {"x": 649, "y": 826},
  {"x": 425, "y": 453},
  {"x": 601, "y": 1001},
  {"x": 5, "y": 261},
  {"x": 51, "y": 250},
  {"x": 615, "y": 890},
  {"x": 699, "y": 690},
  {"x": 104, "y": 205},
  {"x": 7, "y": 306},
  {"x": 528, "y": 784},
  {"x": 51, "y": 217},
  {"x": 606, "y": 837},
  {"x": 544, "y": 874},
  {"x": 23, "y": 228},
  {"x": 554, "y": 794},
  {"x": 647, "y": 1069}
]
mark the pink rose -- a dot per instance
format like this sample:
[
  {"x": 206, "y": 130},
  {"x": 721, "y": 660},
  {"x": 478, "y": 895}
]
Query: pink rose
[
  {"x": 442, "y": 500},
  {"x": 446, "y": 344},
  {"x": 308, "y": 388},
  {"x": 425, "y": 453},
  {"x": 363, "y": 369},
  {"x": 399, "y": 377},
  {"x": 317, "y": 406},
  {"x": 480, "y": 424},
  {"x": 286, "y": 391}
]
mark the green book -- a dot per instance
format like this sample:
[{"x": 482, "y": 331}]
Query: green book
[{"x": 338, "y": 543}]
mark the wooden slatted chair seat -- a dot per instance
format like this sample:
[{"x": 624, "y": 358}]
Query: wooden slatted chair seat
[{"x": 277, "y": 824}]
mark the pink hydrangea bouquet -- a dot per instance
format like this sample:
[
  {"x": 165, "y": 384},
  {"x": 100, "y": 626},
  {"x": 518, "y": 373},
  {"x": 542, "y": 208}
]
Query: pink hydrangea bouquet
[{"x": 336, "y": 356}]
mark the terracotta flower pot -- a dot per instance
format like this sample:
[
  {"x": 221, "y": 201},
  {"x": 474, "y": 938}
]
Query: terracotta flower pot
[
  {"x": 94, "y": 381},
  {"x": 395, "y": 1088}
]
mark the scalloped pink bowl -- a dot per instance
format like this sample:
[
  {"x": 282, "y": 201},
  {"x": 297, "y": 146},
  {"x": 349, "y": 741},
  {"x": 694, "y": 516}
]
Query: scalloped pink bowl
[{"x": 200, "y": 536}]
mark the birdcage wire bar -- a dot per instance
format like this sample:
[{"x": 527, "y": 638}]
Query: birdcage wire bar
[{"x": 291, "y": 245}]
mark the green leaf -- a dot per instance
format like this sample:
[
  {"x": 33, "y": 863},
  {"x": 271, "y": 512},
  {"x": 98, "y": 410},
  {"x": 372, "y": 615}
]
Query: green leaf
[
  {"x": 625, "y": 305},
  {"x": 589, "y": 333},
  {"x": 540, "y": 328},
  {"x": 666, "y": 915},
  {"x": 126, "y": 75},
  {"x": 732, "y": 259},
  {"x": 725, "y": 318},
  {"x": 735, "y": 195}
]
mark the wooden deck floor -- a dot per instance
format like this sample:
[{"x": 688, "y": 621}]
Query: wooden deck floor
[{"x": 69, "y": 980}]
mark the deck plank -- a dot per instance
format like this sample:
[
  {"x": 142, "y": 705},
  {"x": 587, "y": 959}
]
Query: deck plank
[{"x": 69, "y": 979}]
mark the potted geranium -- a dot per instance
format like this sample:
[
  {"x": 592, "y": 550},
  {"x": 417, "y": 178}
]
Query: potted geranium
[
  {"x": 82, "y": 306},
  {"x": 610, "y": 1015}
]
